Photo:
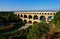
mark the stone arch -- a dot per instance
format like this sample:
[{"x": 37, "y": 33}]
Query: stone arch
[
  {"x": 25, "y": 16},
  {"x": 45, "y": 13},
  {"x": 49, "y": 18},
  {"x": 35, "y": 17},
  {"x": 21, "y": 15},
  {"x": 53, "y": 13},
  {"x": 21, "y": 19},
  {"x": 42, "y": 18},
  {"x": 35, "y": 22},
  {"x": 30, "y": 17},
  {"x": 29, "y": 22},
  {"x": 18, "y": 15},
  {"x": 25, "y": 21},
  {"x": 48, "y": 13}
]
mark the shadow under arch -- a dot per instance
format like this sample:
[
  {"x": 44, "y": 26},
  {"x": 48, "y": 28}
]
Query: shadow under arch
[
  {"x": 29, "y": 22},
  {"x": 21, "y": 15},
  {"x": 21, "y": 19},
  {"x": 25, "y": 21},
  {"x": 49, "y": 18},
  {"x": 30, "y": 17},
  {"x": 42, "y": 18},
  {"x": 35, "y": 17},
  {"x": 25, "y": 16},
  {"x": 35, "y": 22}
]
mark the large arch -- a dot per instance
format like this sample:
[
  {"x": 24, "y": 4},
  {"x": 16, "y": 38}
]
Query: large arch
[
  {"x": 35, "y": 17},
  {"x": 35, "y": 22},
  {"x": 25, "y": 21},
  {"x": 25, "y": 16},
  {"x": 29, "y": 22},
  {"x": 50, "y": 18},
  {"x": 30, "y": 17},
  {"x": 42, "y": 18}
]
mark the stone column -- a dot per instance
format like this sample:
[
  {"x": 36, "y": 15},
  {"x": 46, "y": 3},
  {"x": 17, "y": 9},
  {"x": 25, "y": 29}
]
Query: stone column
[
  {"x": 27, "y": 16},
  {"x": 46, "y": 19},
  {"x": 32, "y": 17},
  {"x": 23, "y": 15},
  {"x": 38, "y": 18}
]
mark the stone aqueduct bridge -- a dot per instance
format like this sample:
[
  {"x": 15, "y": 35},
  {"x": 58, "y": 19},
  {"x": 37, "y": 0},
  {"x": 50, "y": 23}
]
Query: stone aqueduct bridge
[{"x": 34, "y": 17}]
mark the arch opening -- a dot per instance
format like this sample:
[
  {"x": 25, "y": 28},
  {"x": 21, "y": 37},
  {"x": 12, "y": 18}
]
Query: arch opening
[
  {"x": 42, "y": 18},
  {"x": 30, "y": 22},
  {"x": 35, "y": 17},
  {"x": 21, "y": 15},
  {"x": 49, "y": 18},
  {"x": 34, "y": 22},
  {"x": 18, "y": 15},
  {"x": 25, "y": 21},
  {"x": 25, "y": 16},
  {"x": 30, "y": 17},
  {"x": 21, "y": 19}
]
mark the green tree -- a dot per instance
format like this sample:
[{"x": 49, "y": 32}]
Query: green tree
[
  {"x": 56, "y": 21},
  {"x": 10, "y": 19},
  {"x": 40, "y": 30},
  {"x": 4, "y": 17}
]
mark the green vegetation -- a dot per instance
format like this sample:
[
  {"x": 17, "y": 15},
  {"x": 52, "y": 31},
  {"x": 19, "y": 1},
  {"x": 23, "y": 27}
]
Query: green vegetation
[
  {"x": 9, "y": 22},
  {"x": 40, "y": 30},
  {"x": 18, "y": 34},
  {"x": 56, "y": 21}
]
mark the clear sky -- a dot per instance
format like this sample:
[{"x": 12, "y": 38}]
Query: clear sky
[{"x": 11, "y": 5}]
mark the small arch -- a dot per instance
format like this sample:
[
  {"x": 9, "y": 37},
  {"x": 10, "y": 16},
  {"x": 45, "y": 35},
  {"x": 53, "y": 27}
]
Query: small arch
[
  {"x": 40, "y": 13},
  {"x": 49, "y": 18},
  {"x": 25, "y": 16},
  {"x": 21, "y": 19},
  {"x": 45, "y": 13},
  {"x": 48, "y": 13},
  {"x": 34, "y": 22},
  {"x": 42, "y": 18},
  {"x": 25, "y": 21},
  {"x": 21, "y": 15},
  {"x": 35, "y": 17},
  {"x": 37, "y": 13},
  {"x": 53, "y": 13},
  {"x": 30, "y": 22},
  {"x": 18, "y": 15},
  {"x": 30, "y": 17}
]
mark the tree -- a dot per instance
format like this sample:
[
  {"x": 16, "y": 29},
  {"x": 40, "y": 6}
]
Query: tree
[
  {"x": 56, "y": 21},
  {"x": 40, "y": 30},
  {"x": 10, "y": 19}
]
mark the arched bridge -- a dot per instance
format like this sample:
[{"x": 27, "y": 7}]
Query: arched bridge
[{"x": 34, "y": 17}]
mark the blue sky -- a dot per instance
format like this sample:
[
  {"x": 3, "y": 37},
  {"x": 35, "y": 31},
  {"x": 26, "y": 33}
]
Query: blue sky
[{"x": 11, "y": 5}]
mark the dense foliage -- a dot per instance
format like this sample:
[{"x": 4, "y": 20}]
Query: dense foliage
[
  {"x": 39, "y": 30},
  {"x": 9, "y": 22},
  {"x": 18, "y": 34},
  {"x": 8, "y": 18},
  {"x": 56, "y": 20}
]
